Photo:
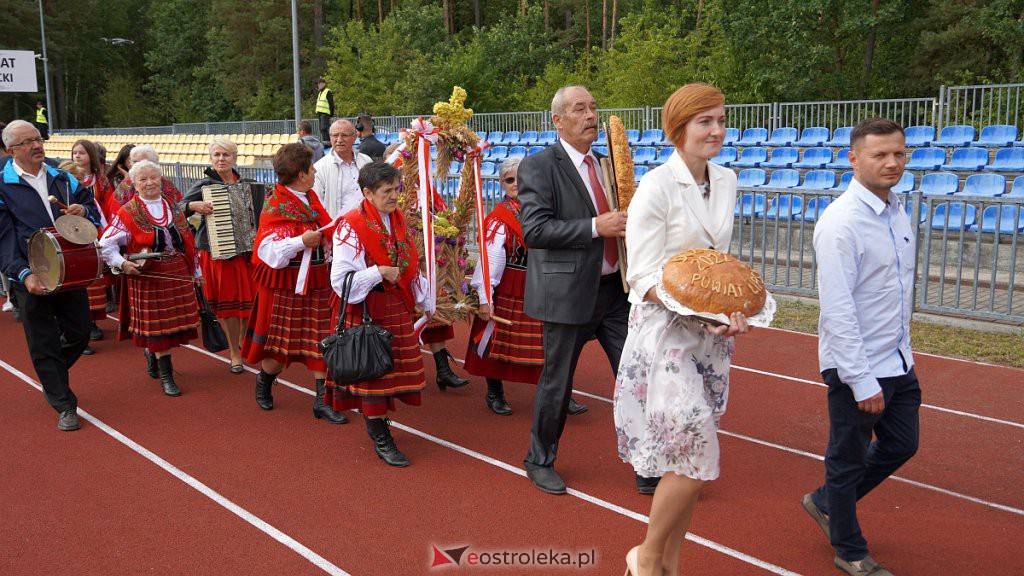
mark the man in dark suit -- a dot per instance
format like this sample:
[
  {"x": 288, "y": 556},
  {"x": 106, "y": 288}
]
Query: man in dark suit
[{"x": 572, "y": 278}]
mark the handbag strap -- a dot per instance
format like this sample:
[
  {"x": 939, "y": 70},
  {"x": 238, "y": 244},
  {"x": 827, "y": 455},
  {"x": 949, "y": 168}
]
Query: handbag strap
[
  {"x": 204, "y": 305},
  {"x": 346, "y": 288}
]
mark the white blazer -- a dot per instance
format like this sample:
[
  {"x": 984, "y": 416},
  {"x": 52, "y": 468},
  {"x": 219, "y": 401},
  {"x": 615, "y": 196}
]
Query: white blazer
[
  {"x": 327, "y": 184},
  {"x": 668, "y": 215}
]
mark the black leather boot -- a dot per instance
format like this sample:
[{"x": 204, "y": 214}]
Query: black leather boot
[
  {"x": 384, "y": 444},
  {"x": 167, "y": 376},
  {"x": 445, "y": 377},
  {"x": 576, "y": 408},
  {"x": 264, "y": 398},
  {"x": 321, "y": 410},
  {"x": 151, "y": 368},
  {"x": 496, "y": 397}
]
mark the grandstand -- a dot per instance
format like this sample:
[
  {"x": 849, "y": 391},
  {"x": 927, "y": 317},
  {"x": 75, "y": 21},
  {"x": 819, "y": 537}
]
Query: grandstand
[{"x": 253, "y": 149}]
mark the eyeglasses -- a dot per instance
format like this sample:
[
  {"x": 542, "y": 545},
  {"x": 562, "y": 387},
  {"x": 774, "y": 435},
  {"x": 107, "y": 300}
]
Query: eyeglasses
[
  {"x": 343, "y": 135},
  {"x": 28, "y": 142},
  {"x": 509, "y": 180}
]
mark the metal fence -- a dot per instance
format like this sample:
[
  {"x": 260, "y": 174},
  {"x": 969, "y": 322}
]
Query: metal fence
[
  {"x": 906, "y": 111},
  {"x": 982, "y": 105}
]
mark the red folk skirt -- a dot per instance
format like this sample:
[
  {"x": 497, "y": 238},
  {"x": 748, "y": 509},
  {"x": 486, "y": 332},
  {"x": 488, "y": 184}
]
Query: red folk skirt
[
  {"x": 285, "y": 326},
  {"x": 97, "y": 292},
  {"x": 229, "y": 286},
  {"x": 376, "y": 397},
  {"x": 158, "y": 313},
  {"x": 514, "y": 352},
  {"x": 435, "y": 333}
]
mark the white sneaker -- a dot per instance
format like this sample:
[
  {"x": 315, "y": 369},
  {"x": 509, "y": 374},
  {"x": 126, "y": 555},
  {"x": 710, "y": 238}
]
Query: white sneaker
[{"x": 8, "y": 306}]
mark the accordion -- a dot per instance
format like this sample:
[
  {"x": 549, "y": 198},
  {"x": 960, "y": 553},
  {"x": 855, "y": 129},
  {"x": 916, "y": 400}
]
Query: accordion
[{"x": 232, "y": 226}]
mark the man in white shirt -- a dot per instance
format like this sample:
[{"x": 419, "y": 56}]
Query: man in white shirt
[
  {"x": 865, "y": 252},
  {"x": 337, "y": 174}
]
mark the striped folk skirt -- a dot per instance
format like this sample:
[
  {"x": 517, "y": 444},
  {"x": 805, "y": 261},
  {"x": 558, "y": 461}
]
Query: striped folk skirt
[
  {"x": 97, "y": 292},
  {"x": 161, "y": 313},
  {"x": 229, "y": 286},
  {"x": 376, "y": 397},
  {"x": 516, "y": 352},
  {"x": 285, "y": 326}
]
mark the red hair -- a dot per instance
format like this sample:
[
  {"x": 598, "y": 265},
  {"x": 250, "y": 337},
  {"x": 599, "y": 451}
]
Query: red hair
[{"x": 684, "y": 104}]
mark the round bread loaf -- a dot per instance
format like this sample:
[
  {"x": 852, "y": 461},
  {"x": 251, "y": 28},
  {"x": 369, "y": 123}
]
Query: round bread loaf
[{"x": 710, "y": 281}]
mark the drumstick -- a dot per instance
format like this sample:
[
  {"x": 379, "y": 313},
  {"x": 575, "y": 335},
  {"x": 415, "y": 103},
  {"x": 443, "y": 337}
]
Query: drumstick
[
  {"x": 500, "y": 320},
  {"x": 53, "y": 200}
]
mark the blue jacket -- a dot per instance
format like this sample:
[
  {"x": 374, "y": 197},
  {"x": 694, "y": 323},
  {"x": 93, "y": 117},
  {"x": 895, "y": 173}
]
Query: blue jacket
[{"x": 22, "y": 213}]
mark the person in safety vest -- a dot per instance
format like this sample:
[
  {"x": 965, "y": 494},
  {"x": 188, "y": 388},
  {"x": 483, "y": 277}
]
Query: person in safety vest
[
  {"x": 42, "y": 121},
  {"x": 324, "y": 107}
]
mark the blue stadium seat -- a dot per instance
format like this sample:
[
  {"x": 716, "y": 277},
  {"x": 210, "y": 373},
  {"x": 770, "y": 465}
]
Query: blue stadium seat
[
  {"x": 602, "y": 138},
  {"x": 785, "y": 207},
  {"x": 533, "y": 150},
  {"x": 651, "y": 137},
  {"x": 919, "y": 136},
  {"x": 547, "y": 138},
  {"x": 782, "y": 158},
  {"x": 433, "y": 154},
  {"x": 750, "y": 205},
  {"x": 731, "y": 136},
  {"x": 751, "y": 177},
  {"x": 815, "y": 136},
  {"x": 495, "y": 137},
  {"x": 818, "y": 180},
  {"x": 841, "y": 137},
  {"x": 939, "y": 184},
  {"x": 926, "y": 159},
  {"x": 960, "y": 135},
  {"x": 984, "y": 185},
  {"x": 602, "y": 150},
  {"x": 482, "y": 135},
  {"x": 967, "y": 160},
  {"x": 1007, "y": 219},
  {"x": 639, "y": 171},
  {"x": 842, "y": 161},
  {"x": 961, "y": 216},
  {"x": 493, "y": 189},
  {"x": 905, "y": 185},
  {"x": 815, "y": 207},
  {"x": 498, "y": 153},
  {"x": 753, "y": 137},
  {"x": 1018, "y": 187},
  {"x": 782, "y": 137},
  {"x": 922, "y": 211},
  {"x": 454, "y": 168},
  {"x": 529, "y": 138},
  {"x": 815, "y": 158},
  {"x": 783, "y": 179},
  {"x": 517, "y": 151},
  {"x": 1019, "y": 143},
  {"x": 511, "y": 138},
  {"x": 751, "y": 157},
  {"x": 844, "y": 181},
  {"x": 645, "y": 155},
  {"x": 725, "y": 156},
  {"x": 488, "y": 169},
  {"x": 996, "y": 135},
  {"x": 1007, "y": 160},
  {"x": 633, "y": 136}
]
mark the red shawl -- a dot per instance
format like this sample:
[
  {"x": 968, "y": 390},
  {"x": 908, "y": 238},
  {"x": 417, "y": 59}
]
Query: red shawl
[
  {"x": 103, "y": 193},
  {"x": 386, "y": 249},
  {"x": 506, "y": 213},
  {"x": 139, "y": 223},
  {"x": 285, "y": 216}
]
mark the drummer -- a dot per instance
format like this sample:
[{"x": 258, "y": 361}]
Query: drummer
[{"x": 56, "y": 324}]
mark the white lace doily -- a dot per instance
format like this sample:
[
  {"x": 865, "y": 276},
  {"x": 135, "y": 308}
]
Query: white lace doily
[{"x": 762, "y": 319}]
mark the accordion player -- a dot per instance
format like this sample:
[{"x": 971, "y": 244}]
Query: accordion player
[{"x": 231, "y": 229}]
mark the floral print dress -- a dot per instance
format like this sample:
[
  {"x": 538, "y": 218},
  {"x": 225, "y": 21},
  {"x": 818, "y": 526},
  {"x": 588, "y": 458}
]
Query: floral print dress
[{"x": 671, "y": 392}]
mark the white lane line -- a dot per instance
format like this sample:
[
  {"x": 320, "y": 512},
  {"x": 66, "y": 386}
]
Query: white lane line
[
  {"x": 821, "y": 458},
  {"x": 259, "y": 524},
  {"x": 520, "y": 472}
]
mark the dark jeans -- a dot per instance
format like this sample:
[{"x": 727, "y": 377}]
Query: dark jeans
[
  {"x": 45, "y": 319},
  {"x": 854, "y": 465},
  {"x": 562, "y": 346},
  {"x": 325, "y": 127}
]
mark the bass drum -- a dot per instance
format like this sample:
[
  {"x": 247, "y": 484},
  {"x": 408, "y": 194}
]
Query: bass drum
[{"x": 60, "y": 264}]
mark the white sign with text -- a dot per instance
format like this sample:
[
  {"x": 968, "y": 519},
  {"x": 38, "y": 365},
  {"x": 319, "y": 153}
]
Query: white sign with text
[{"x": 18, "y": 71}]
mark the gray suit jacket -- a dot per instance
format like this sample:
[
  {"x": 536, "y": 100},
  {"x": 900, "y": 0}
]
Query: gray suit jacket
[{"x": 564, "y": 265}]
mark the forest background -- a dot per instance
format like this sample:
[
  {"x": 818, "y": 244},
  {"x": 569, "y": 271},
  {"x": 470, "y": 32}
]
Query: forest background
[{"x": 225, "y": 60}]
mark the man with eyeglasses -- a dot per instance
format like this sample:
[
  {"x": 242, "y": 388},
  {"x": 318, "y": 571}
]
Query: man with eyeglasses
[
  {"x": 337, "y": 174},
  {"x": 56, "y": 325}
]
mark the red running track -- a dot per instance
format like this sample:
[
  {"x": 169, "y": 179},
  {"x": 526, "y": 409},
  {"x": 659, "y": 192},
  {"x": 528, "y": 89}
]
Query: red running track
[{"x": 228, "y": 488}]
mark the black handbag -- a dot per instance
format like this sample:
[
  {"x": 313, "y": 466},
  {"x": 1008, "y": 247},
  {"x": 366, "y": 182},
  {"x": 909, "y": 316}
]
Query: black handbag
[
  {"x": 214, "y": 338},
  {"x": 360, "y": 352}
]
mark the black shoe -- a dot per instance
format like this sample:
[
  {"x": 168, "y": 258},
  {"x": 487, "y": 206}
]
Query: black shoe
[
  {"x": 68, "y": 420},
  {"x": 16, "y": 313},
  {"x": 575, "y": 408},
  {"x": 170, "y": 387},
  {"x": 96, "y": 333},
  {"x": 645, "y": 485},
  {"x": 236, "y": 369},
  {"x": 383, "y": 444},
  {"x": 151, "y": 368},
  {"x": 264, "y": 398},
  {"x": 496, "y": 398},
  {"x": 111, "y": 300},
  {"x": 88, "y": 351},
  {"x": 546, "y": 479},
  {"x": 445, "y": 377},
  {"x": 321, "y": 410}
]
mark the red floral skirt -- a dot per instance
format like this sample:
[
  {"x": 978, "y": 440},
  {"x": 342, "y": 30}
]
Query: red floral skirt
[
  {"x": 376, "y": 397},
  {"x": 159, "y": 313},
  {"x": 515, "y": 352},
  {"x": 285, "y": 326},
  {"x": 229, "y": 286}
]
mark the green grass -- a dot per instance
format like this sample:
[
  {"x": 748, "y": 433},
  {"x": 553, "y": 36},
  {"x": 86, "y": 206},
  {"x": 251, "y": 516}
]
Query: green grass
[{"x": 1006, "y": 349}]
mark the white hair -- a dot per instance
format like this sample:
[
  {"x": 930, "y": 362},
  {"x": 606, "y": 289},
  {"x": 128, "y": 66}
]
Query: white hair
[
  {"x": 8, "y": 134},
  {"x": 141, "y": 165},
  {"x": 558, "y": 102},
  {"x": 228, "y": 146},
  {"x": 508, "y": 166},
  {"x": 144, "y": 152}
]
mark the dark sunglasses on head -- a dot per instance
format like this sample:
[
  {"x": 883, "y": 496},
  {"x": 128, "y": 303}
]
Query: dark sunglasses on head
[{"x": 509, "y": 180}]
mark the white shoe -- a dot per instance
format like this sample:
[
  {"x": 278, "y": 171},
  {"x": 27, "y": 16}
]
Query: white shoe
[{"x": 8, "y": 306}]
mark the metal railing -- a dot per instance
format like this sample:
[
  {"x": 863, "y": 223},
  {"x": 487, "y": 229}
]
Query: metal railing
[
  {"x": 834, "y": 114},
  {"x": 981, "y": 105}
]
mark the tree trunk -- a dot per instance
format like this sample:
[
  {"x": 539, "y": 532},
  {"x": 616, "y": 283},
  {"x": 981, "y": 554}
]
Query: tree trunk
[
  {"x": 568, "y": 18},
  {"x": 522, "y": 8},
  {"x": 615, "y": 18},
  {"x": 586, "y": 13},
  {"x": 380, "y": 11},
  {"x": 446, "y": 8},
  {"x": 318, "y": 35},
  {"x": 476, "y": 13},
  {"x": 869, "y": 51},
  {"x": 700, "y": 12},
  {"x": 604, "y": 24},
  {"x": 359, "y": 10},
  {"x": 547, "y": 22}
]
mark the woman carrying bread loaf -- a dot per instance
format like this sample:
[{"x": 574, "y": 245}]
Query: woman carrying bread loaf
[{"x": 673, "y": 381}]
